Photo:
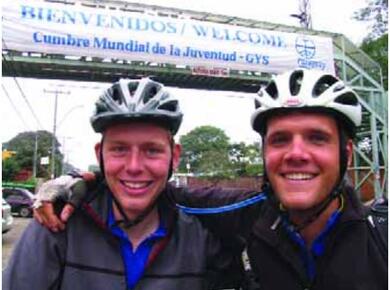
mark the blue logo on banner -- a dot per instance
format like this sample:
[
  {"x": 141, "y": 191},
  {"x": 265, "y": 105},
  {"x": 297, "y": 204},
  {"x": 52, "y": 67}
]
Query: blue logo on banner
[
  {"x": 307, "y": 50},
  {"x": 305, "y": 47}
]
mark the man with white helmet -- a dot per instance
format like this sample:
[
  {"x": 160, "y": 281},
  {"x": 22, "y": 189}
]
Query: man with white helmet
[
  {"x": 310, "y": 231},
  {"x": 314, "y": 233},
  {"x": 128, "y": 234}
]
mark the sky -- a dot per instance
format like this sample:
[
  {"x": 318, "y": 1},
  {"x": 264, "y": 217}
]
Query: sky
[{"x": 229, "y": 111}]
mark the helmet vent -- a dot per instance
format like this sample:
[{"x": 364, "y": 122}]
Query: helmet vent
[
  {"x": 132, "y": 87},
  {"x": 169, "y": 106},
  {"x": 323, "y": 84},
  {"x": 272, "y": 90},
  {"x": 296, "y": 82},
  {"x": 116, "y": 96},
  {"x": 149, "y": 94},
  {"x": 347, "y": 99},
  {"x": 257, "y": 104}
]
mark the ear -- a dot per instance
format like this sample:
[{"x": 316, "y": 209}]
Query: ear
[
  {"x": 98, "y": 148},
  {"x": 349, "y": 151},
  {"x": 176, "y": 156}
]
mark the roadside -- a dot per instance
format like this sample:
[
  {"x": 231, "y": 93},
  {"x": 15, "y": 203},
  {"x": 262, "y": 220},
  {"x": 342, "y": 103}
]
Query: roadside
[{"x": 10, "y": 238}]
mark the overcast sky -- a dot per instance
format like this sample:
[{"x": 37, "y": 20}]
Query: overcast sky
[{"x": 228, "y": 111}]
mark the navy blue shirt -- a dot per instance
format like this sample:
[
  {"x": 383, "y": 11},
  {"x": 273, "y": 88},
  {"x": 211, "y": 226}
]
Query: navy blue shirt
[
  {"x": 135, "y": 261},
  {"x": 317, "y": 249}
]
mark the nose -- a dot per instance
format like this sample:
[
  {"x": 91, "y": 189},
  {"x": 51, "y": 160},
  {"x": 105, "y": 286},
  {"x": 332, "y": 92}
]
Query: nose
[
  {"x": 297, "y": 151},
  {"x": 134, "y": 163}
]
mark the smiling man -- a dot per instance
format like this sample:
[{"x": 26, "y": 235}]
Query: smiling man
[
  {"x": 311, "y": 231},
  {"x": 128, "y": 234}
]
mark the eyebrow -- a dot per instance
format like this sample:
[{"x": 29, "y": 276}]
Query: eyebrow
[
  {"x": 147, "y": 143},
  {"x": 310, "y": 129}
]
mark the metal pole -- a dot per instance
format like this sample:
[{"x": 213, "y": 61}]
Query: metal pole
[
  {"x": 35, "y": 156},
  {"x": 375, "y": 150},
  {"x": 53, "y": 140}
]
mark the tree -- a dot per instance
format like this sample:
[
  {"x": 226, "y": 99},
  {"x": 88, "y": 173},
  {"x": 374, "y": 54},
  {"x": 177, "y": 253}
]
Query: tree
[
  {"x": 378, "y": 50},
  {"x": 375, "y": 43},
  {"x": 9, "y": 169},
  {"x": 206, "y": 150},
  {"x": 246, "y": 159},
  {"x": 376, "y": 12},
  {"x": 24, "y": 145}
]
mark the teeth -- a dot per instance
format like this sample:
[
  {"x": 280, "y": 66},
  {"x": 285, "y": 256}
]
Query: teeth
[
  {"x": 135, "y": 185},
  {"x": 299, "y": 176}
]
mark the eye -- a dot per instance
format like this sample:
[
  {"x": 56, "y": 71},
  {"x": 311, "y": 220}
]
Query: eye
[
  {"x": 318, "y": 138},
  {"x": 278, "y": 139},
  {"x": 154, "y": 151},
  {"x": 118, "y": 150}
]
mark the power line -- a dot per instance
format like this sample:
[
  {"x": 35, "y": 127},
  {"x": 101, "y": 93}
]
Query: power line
[
  {"x": 15, "y": 109},
  {"x": 20, "y": 88}
]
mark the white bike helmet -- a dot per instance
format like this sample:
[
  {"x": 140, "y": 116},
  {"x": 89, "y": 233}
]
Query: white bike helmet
[
  {"x": 142, "y": 99},
  {"x": 303, "y": 89},
  {"x": 313, "y": 91}
]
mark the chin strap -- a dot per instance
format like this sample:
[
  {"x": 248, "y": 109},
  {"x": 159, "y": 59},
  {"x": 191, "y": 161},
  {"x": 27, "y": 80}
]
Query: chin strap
[
  {"x": 320, "y": 209},
  {"x": 128, "y": 223}
]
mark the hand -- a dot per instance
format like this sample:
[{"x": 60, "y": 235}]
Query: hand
[
  {"x": 46, "y": 216},
  {"x": 66, "y": 188}
]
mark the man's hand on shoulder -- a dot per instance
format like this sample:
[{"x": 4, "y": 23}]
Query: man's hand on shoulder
[{"x": 67, "y": 188}]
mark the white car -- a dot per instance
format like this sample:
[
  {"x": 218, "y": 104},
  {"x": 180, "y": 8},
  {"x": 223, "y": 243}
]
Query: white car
[{"x": 6, "y": 217}]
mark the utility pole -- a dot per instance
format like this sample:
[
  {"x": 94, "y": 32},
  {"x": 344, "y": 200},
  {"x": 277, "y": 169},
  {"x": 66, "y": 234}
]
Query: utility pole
[
  {"x": 35, "y": 156},
  {"x": 304, "y": 15},
  {"x": 53, "y": 140}
]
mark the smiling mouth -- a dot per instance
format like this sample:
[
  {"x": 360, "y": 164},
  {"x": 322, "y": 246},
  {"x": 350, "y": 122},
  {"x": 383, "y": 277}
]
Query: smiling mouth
[
  {"x": 299, "y": 176},
  {"x": 136, "y": 185}
]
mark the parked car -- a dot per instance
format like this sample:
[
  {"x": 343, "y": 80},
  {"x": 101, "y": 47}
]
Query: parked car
[
  {"x": 6, "y": 217},
  {"x": 20, "y": 200}
]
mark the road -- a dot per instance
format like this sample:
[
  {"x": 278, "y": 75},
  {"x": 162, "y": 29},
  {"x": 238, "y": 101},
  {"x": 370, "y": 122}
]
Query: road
[{"x": 10, "y": 238}]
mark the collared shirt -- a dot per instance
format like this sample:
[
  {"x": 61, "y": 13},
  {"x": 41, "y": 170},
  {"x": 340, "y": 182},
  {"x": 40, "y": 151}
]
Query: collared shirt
[
  {"x": 135, "y": 261},
  {"x": 317, "y": 249}
]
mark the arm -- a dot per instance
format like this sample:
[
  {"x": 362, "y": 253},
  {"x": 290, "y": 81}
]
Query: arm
[
  {"x": 71, "y": 189},
  {"x": 36, "y": 260},
  {"x": 230, "y": 224}
]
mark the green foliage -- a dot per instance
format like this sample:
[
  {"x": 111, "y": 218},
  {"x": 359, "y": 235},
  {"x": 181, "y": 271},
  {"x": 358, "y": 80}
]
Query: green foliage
[
  {"x": 378, "y": 50},
  {"x": 209, "y": 154},
  {"x": 206, "y": 150},
  {"x": 375, "y": 43},
  {"x": 10, "y": 168},
  {"x": 246, "y": 159},
  {"x": 24, "y": 145},
  {"x": 376, "y": 12}
]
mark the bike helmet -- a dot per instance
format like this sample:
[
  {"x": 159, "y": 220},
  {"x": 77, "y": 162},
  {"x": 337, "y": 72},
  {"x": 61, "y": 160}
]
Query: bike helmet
[
  {"x": 312, "y": 90},
  {"x": 142, "y": 99}
]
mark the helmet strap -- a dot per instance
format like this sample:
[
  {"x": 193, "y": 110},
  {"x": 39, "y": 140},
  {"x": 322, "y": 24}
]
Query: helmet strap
[{"x": 128, "y": 223}]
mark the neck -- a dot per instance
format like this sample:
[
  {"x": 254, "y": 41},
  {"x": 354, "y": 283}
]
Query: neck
[
  {"x": 143, "y": 229},
  {"x": 312, "y": 230}
]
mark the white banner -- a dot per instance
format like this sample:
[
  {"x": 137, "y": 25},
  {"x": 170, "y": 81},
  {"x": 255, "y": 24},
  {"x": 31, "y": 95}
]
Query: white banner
[{"x": 35, "y": 26}]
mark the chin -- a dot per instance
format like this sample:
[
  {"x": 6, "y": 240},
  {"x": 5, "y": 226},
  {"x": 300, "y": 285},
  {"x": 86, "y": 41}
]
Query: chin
[{"x": 297, "y": 203}]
